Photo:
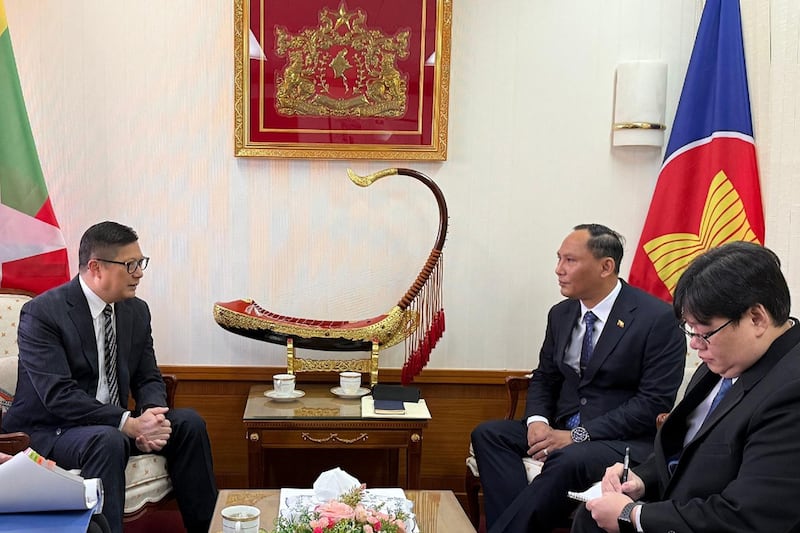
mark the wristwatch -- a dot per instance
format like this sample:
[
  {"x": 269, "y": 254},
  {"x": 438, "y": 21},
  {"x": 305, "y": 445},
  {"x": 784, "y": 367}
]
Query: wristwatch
[
  {"x": 579, "y": 434},
  {"x": 624, "y": 520}
]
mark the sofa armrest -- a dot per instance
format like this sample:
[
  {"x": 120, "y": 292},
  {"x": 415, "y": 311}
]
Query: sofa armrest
[
  {"x": 516, "y": 386},
  {"x": 12, "y": 443},
  {"x": 171, "y": 382}
]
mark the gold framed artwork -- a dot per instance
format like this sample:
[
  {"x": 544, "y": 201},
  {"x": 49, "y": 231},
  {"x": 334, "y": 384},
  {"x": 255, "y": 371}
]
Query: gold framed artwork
[{"x": 342, "y": 79}]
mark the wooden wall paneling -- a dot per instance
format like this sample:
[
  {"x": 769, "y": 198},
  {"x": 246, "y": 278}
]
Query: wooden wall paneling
[{"x": 458, "y": 400}]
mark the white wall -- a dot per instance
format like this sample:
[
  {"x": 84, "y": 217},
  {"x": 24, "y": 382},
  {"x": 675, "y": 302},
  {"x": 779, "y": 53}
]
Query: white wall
[{"x": 131, "y": 105}]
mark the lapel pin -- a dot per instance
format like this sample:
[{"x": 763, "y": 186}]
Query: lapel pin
[{"x": 620, "y": 324}]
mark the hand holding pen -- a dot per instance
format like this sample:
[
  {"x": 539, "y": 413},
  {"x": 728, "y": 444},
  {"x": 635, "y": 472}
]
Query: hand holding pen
[
  {"x": 618, "y": 474},
  {"x": 626, "y": 465}
]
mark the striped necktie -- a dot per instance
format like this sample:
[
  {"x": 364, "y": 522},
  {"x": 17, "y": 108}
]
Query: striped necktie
[{"x": 111, "y": 356}]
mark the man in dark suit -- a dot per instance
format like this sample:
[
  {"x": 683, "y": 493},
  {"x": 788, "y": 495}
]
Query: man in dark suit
[
  {"x": 611, "y": 361},
  {"x": 77, "y": 369},
  {"x": 728, "y": 457}
]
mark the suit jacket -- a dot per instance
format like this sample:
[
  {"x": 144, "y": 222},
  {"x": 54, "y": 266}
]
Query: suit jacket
[
  {"x": 58, "y": 370},
  {"x": 633, "y": 375},
  {"x": 741, "y": 472}
]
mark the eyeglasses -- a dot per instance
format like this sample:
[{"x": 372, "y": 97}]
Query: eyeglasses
[
  {"x": 702, "y": 336},
  {"x": 131, "y": 265}
]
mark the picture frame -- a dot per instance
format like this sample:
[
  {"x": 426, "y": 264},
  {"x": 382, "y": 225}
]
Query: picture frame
[{"x": 342, "y": 79}]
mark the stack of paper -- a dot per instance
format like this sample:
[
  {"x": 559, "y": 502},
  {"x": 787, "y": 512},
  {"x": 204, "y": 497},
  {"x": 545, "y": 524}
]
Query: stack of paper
[
  {"x": 412, "y": 410},
  {"x": 41, "y": 485}
]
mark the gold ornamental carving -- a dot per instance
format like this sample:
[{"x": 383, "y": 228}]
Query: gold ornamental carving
[
  {"x": 332, "y": 365},
  {"x": 304, "y": 412},
  {"x": 341, "y": 68},
  {"x": 334, "y": 437},
  {"x": 393, "y": 328}
]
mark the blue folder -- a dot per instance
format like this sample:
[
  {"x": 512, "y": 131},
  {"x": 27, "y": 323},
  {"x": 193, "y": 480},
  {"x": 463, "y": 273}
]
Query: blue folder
[{"x": 46, "y": 522}]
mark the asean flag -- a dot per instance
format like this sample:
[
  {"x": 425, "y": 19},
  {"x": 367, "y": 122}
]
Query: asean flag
[{"x": 708, "y": 190}]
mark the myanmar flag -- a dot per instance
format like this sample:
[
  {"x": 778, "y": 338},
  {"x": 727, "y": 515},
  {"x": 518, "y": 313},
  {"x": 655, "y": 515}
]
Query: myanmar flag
[
  {"x": 33, "y": 254},
  {"x": 708, "y": 191}
]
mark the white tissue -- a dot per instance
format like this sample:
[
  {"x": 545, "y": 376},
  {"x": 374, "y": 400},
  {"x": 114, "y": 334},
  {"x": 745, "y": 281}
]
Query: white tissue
[{"x": 331, "y": 484}]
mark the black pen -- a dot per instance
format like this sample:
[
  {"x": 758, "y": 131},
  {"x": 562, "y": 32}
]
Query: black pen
[{"x": 626, "y": 463}]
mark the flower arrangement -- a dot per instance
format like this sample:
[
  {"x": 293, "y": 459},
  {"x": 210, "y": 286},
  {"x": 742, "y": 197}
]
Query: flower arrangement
[{"x": 348, "y": 514}]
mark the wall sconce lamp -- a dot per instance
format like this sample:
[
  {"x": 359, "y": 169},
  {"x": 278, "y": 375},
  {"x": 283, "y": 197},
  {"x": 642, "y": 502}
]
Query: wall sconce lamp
[{"x": 641, "y": 89}]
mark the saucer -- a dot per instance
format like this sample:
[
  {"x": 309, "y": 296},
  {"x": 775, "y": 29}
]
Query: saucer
[
  {"x": 274, "y": 396},
  {"x": 338, "y": 391}
]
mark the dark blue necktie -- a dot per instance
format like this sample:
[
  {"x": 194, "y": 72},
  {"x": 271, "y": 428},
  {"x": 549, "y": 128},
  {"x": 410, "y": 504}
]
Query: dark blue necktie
[
  {"x": 726, "y": 385},
  {"x": 723, "y": 390},
  {"x": 587, "y": 346}
]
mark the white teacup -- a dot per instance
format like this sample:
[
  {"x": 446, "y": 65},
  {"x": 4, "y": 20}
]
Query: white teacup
[
  {"x": 240, "y": 519},
  {"x": 283, "y": 384},
  {"x": 350, "y": 382}
]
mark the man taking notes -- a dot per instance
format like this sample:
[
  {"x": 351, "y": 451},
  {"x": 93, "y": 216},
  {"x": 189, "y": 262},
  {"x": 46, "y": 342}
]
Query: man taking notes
[
  {"x": 611, "y": 361},
  {"x": 728, "y": 457}
]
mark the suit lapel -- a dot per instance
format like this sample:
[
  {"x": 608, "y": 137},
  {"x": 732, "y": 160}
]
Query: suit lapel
[
  {"x": 570, "y": 319},
  {"x": 669, "y": 440},
  {"x": 81, "y": 318}
]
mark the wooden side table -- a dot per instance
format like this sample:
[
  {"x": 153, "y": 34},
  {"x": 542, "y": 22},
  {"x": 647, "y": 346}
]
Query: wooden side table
[{"x": 321, "y": 421}]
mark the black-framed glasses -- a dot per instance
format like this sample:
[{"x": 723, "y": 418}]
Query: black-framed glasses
[
  {"x": 702, "y": 336},
  {"x": 131, "y": 265}
]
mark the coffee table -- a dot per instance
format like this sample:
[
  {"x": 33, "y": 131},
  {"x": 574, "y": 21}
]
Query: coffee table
[
  {"x": 320, "y": 423},
  {"x": 437, "y": 511}
]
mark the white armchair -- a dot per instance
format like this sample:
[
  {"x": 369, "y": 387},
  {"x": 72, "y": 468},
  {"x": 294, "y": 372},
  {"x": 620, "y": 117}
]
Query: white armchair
[{"x": 147, "y": 482}]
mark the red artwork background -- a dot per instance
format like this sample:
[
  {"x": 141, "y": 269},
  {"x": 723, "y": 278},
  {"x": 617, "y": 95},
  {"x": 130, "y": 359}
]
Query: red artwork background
[{"x": 414, "y": 135}]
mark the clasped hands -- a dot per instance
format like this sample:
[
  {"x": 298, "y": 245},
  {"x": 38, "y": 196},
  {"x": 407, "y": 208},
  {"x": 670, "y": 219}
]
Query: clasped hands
[
  {"x": 606, "y": 509},
  {"x": 543, "y": 440},
  {"x": 151, "y": 430}
]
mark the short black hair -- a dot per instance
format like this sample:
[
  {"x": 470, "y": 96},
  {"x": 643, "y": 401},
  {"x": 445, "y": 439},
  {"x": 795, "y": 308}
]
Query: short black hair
[
  {"x": 104, "y": 238},
  {"x": 726, "y": 281},
  {"x": 604, "y": 242}
]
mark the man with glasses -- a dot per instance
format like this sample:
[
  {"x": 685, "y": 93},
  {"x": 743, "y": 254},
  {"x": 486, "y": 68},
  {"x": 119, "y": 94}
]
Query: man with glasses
[
  {"x": 83, "y": 348},
  {"x": 727, "y": 459}
]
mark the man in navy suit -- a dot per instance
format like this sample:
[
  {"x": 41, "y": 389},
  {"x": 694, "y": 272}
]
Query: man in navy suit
[
  {"x": 611, "y": 361},
  {"x": 74, "y": 406},
  {"x": 727, "y": 460}
]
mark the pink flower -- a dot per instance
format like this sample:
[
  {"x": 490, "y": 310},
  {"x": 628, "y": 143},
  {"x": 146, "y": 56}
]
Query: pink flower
[
  {"x": 361, "y": 513},
  {"x": 368, "y": 529},
  {"x": 320, "y": 524},
  {"x": 335, "y": 511}
]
